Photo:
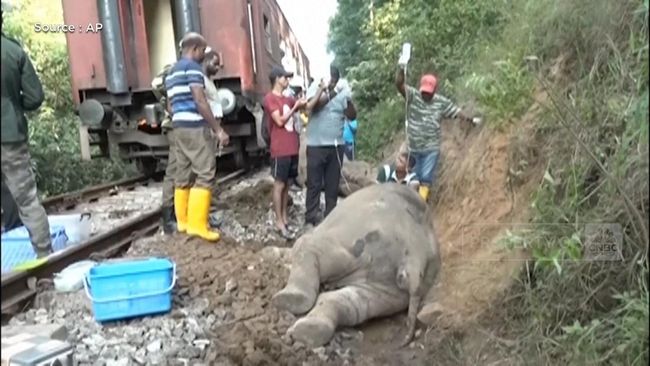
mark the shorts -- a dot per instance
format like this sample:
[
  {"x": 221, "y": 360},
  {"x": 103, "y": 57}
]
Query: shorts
[
  {"x": 426, "y": 163},
  {"x": 284, "y": 168}
]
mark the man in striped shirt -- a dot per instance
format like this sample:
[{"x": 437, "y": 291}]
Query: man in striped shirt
[
  {"x": 425, "y": 109},
  {"x": 195, "y": 128}
]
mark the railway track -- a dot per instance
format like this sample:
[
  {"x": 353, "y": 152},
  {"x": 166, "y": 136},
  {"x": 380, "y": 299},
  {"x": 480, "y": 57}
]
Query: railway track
[
  {"x": 68, "y": 201},
  {"x": 17, "y": 288}
]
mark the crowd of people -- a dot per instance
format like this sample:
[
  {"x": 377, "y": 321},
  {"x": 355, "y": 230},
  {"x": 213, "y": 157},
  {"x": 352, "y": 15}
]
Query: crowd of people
[
  {"x": 331, "y": 123},
  {"x": 192, "y": 124}
]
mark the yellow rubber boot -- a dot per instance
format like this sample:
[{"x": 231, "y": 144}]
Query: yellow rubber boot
[
  {"x": 181, "y": 199},
  {"x": 199, "y": 209},
  {"x": 424, "y": 192}
]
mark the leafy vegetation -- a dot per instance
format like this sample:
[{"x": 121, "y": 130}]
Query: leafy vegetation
[
  {"x": 442, "y": 34},
  {"x": 589, "y": 59},
  {"x": 53, "y": 129}
]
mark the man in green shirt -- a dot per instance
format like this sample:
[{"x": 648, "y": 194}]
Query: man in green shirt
[
  {"x": 22, "y": 92},
  {"x": 425, "y": 109}
]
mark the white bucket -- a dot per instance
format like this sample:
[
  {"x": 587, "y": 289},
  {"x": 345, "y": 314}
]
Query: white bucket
[{"x": 77, "y": 226}]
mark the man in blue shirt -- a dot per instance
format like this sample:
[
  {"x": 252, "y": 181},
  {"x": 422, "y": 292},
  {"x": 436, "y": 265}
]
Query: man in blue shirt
[
  {"x": 195, "y": 128},
  {"x": 349, "y": 135},
  {"x": 327, "y": 111}
]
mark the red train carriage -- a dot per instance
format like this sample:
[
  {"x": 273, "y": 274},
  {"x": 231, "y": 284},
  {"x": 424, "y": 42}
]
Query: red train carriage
[{"x": 112, "y": 69}]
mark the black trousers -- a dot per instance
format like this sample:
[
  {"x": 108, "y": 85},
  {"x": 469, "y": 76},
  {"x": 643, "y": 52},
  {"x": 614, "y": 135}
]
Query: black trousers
[
  {"x": 9, "y": 209},
  {"x": 323, "y": 174}
]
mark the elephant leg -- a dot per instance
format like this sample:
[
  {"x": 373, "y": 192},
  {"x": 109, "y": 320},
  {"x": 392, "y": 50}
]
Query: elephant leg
[
  {"x": 300, "y": 293},
  {"x": 347, "y": 306}
]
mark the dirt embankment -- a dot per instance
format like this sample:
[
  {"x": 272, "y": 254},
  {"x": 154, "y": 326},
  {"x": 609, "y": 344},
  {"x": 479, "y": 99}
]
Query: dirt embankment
[{"x": 485, "y": 179}]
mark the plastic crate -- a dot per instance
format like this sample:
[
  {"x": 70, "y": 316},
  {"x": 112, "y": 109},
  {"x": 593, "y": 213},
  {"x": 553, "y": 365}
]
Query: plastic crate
[
  {"x": 128, "y": 289},
  {"x": 17, "y": 247}
]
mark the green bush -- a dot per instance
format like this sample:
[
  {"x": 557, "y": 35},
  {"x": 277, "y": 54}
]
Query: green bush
[
  {"x": 443, "y": 36},
  {"x": 504, "y": 92},
  {"x": 378, "y": 128},
  {"x": 54, "y": 128},
  {"x": 587, "y": 312}
]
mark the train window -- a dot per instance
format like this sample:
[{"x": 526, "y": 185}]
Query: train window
[{"x": 267, "y": 33}]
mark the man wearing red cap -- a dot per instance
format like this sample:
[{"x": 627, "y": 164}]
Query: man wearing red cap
[{"x": 424, "y": 111}]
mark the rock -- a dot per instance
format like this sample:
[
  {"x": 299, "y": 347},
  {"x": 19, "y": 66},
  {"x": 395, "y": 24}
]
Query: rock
[
  {"x": 273, "y": 253},
  {"x": 156, "y": 359},
  {"x": 201, "y": 305},
  {"x": 154, "y": 346},
  {"x": 41, "y": 319},
  {"x": 178, "y": 313},
  {"x": 81, "y": 356},
  {"x": 321, "y": 353},
  {"x": 172, "y": 349},
  {"x": 354, "y": 176},
  {"x": 194, "y": 327},
  {"x": 231, "y": 285},
  {"x": 195, "y": 291},
  {"x": 53, "y": 331},
  {"x": 189, "y": 336},
  {"x": 139, "y": 356},
  {"x": 211, "y": 319},
  {"x": 119, "y": 362},
  {"x": 190, "y": 352},
  {"x": 94, "y": 341},
  {"x": 178, "y": 331},
  {"x": 201, "y": 343}
]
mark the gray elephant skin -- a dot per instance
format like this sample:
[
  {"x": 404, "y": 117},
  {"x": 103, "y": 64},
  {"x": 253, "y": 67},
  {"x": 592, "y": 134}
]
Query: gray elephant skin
[{"x": 375, "y": 255}]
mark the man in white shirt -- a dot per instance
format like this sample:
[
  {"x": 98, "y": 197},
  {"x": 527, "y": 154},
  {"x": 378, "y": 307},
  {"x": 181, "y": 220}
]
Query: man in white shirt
[
  {"x": 211, "y": 66},
  {"x": 210, "y": 69}
]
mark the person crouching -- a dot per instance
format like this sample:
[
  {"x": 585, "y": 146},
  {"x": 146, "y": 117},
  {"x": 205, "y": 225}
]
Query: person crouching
[{"x": 400, "y": 170}]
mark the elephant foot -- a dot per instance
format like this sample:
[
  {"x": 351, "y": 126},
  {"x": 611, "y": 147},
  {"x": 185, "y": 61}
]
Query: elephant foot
[
  {"x": 312, "y": 331},
  {"x": 293, "y": 300}
]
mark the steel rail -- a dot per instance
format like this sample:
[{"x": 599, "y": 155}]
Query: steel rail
[
  {"x": 18, "y": 287},
  {"x": 68, "y": 200}
]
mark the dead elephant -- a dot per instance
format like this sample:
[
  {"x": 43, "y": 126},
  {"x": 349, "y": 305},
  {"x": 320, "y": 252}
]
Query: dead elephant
[{"x": 377, "y": 252}]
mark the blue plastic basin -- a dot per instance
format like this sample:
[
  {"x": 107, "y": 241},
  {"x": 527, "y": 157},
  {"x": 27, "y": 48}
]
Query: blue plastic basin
[
  {"x": 17, "y": 246},
  {"x": 128, "y": 289}
]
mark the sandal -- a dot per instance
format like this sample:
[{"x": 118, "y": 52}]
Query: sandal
[
  {"x": 286, "y": 234},
  {"x": 30, "y": 264}
]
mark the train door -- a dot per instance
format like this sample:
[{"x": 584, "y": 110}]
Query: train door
[{"x": 159, "y": 25}]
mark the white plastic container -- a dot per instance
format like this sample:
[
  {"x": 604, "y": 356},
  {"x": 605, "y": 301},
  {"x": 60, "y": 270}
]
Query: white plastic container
[
  {"x": 72, "y": 277},
  {"x": 77, "y": 226},
  {"x": 405, "y": 57}
]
